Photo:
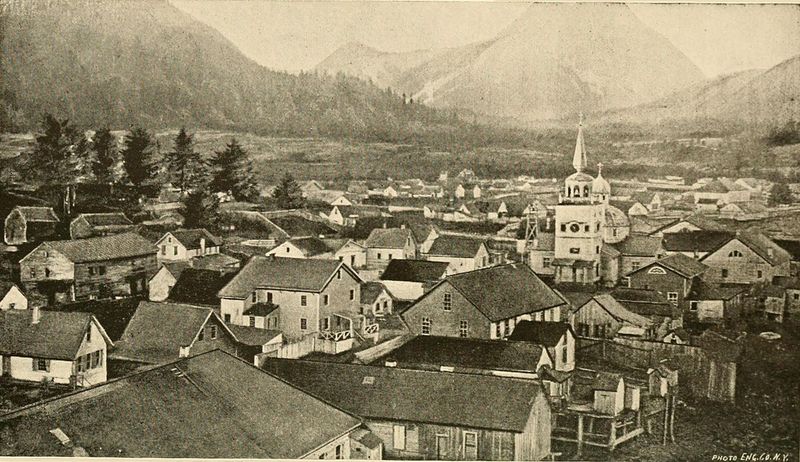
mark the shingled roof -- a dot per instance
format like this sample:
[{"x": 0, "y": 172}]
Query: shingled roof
[
  {"x": 456, "y": 246},
  {"x": 388, "y": 238},
  {"x": 395, "y": 394},
  {"x": 125, "y": 245},
  {"x": 310, "y": 246},
  {"x": 685, "y": 266},
  {"x": 640, "y": 245},
  {"x": 57, "y": 335},
  {"x": 619, "y": 312},
  {"x": 199, "y": 286},
  {"x": 105, "y": 219},
  {"x": 544, "y": 333},
  {"x": 696, "y": 241},
  {"x": 190, "y": 238},
  {"x": 475, "y": 354},
  {"x": 299, "y": 274},
  {"x": 38, "y": 214},
  {"x": 212, "y": 405},
  {"x": 505, "y": 291},
  {"x": 414, "y": 270}
]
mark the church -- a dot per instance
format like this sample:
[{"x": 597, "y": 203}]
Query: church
[{"x": 589, "y": 242}]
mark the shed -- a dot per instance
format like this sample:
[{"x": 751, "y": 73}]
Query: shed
[{"x": 609, "y": 393}]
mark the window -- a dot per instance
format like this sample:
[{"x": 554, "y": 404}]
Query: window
[
  {"x": 656, "y": 270},
  {"x": 586, "y": 228},
  {"x": 338, "y": 452},
  {"x": 563, "y": 227},
  {"x": 213, "y": 331},
  {"x": 33, "y": 273},
  {"x": 41, "y": 365},
  {"x": 470, "y": 445},
  {"x": 635, "y": 265},
  {"x": 339, "y": 274},
  {"x": 672, "y": 296},
  {"x": 303, "y": 324},
  {"x": 426, "y": 326},
  {"x": 303, "y": 300},
  {"x": 269, "y": 297},
  {"x": 227, "y": 317},
  {"x": 463, "y": 329},
  {"x": 390, "y": 256},
  {"x": 163, "y": 250},
  {"x": 352, "y": 294},
  {"x": 497, "y": 333},
  {"x": 254, "y": 298},
  {"x": 399, "y": 437},
  {"x": 794, "y": 296},
  {"x": 693, "y": 306},
  {"x": 597, "y": 249},
  {"x": 564, "y": 356},
  {"x": 326, "y": 323},
  {"x": 89, "y": 334},
  {"x": 102, "y": 270},
  {"x": 288, "y": 249},
  {"x": 759, "y": 274},
  {"x": 724, "y": 273},
  {"x": 447, "y": 303},
  {"x": 574, "y": 250},
  {"x": 175, "y": 250},
  {"x": 386, "y": 304},
  {"x": 252, "y": 321},
  {"x": 380, "y": 256},
  {"x": 546, "y": 262},
  {"x": 735, "y": 254},
  {"x": 325, "y": 299},
  {"x": 12, "y": 305},
  {"x": 614, "y": 232},
  {"x": 91, "y": 271}
]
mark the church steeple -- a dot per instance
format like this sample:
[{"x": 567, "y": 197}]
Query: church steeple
[{"x": 579, "y": 159}]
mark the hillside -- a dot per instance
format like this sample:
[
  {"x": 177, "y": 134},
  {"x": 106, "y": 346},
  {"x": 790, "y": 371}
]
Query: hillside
[
  {"x": 754, "y": 97},
  {"x": 554, "y": 61},
  {"x": 146, "y": 62}
]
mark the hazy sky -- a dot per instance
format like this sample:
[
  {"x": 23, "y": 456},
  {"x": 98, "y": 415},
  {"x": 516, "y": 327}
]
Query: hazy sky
[{"x": 298, "y": 35}]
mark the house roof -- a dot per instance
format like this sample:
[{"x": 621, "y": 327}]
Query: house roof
[
  {"x": 696, "y": 241},
  {"x": 414, "y": 270},
  {"x": 606, "y": 381},
  {"x": 505, "y": 291},
  {"x": 456, "y": 246},
  {"x": 197, "y": 407},
  {"x": 395, "y": 394},
  {"x": 123, "y": 245},
  {"x": 640, "y": 245},
  {"x": 215, "y": 262},
  {"x": 467, "y": 353},
  {"x": 544, "y": 333},
  {"x": 714, "y": 186},
  {"x": 293, "y": 225},
  {"x": 645, "y": 302},
  {"x": 644, "y": 197},
  {"x": 370, "y": 292},
  {"x": 175, "y": 268},
  {"x": 40, "y": 214},
  {"x": 105, "y": 219},
  {"x": 388, "y": 238},
  {"x": 299, "y": 274},
  {"x": 310, "y": 246},
  {"x": 765, "y": 247},
  {"x": 698, "y": 220},
  {"x": 57, "y": 335},
  {"x": 685, "y": 266},
  {"x": 618, "y": 311},
  {"x": 787, "y": 282},
  {"x": 261, "y": 309},
  {"x": 157, "y": 331},
  {"x": 190, "y": 238},
  {"x": 790, "y": 246},
  {"x": 701, "y": 290},
  {"x": 545, "y": 241},
  {"x": 253, "y": 336},
  {"x": 5, "y": 286},
  {"x": 199, "y": 286}
]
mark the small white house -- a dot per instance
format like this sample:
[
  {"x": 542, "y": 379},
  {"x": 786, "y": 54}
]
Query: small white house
[
  {"x": 184, "y": 244},
  {"x": 164, "y": 280},
  {"x": 61, "y": 347},
  {"x": 352, "y": 253},
  {"x": 11, "y": 297}
]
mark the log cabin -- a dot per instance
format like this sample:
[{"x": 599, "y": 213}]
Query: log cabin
[
  {"x": 29, "y": 224},
  {"x": 99, "y": 224}
]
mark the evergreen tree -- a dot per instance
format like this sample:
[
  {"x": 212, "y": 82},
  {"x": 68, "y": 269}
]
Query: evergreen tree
[
  {"x": 52, "y": 160},
  {"x": 185, "y": 167},
  {"x": 288, "y": 193},
  {"x": 105, "y": 155},
  {"x": 233, "y": 172},
  {"x": 200, "y": 209},
  {"x": 780, "y": 194},
  {"x": 137, "y": 153}
]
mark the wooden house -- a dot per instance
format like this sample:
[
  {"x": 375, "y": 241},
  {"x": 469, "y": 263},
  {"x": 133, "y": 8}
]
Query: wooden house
[
  {"x": 713, "y": 303},
  {"x": 602, "y": 316},
  {"x": 64, "y": 348},
  {"x": 223, "y": 406},
  {"x": 11, "y": 297},
  {"x": 461, "y": 252},
  {"x": 163, "y": 332},
  {"x": 421, "y": 414},
  {"x": 747, "y": 258},
  {"x": 376, "y": 300},
  {"x": 184, "y": 244},
  {"x": 99, "y": 224},
  {"x": 86, "y": 269},
  {"x": 199, "y": 287},
  {"x": 302, "y": 247},
  {"x": 408, "y": 279},
  {"x": 162, "y": 282},
  {"x": 557, "y": 337},
  {"x": 29, "y": 224},
  {"x": 485, "y": 303},
  {"x": 385, "y": 244},
  {"x": 609, "y": 393},
  {"x": 352, "y": 253},
  {"x": 672, "y": 275}
]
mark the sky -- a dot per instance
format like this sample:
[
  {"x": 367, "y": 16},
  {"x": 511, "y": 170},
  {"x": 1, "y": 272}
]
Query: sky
[{"x": 294, "y": 36}]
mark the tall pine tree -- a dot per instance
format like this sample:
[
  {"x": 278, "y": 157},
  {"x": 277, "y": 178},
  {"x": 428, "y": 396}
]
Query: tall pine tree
[
  {"x": 52, "y": 160},
  {"x": 288, "y": 193},
  {"x": 200, "y": 209},
  {"x": 233, "y": 172},
  {"x": 185, "y": 166},
  {"x": 105, "y": 156},
  {"x": 137, "y": 156}
]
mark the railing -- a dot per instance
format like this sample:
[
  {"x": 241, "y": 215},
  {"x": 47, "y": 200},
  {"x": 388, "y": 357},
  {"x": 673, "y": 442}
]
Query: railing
[
  {"x": 336, "y": 336},
  {"x": 372, "y": 329}
]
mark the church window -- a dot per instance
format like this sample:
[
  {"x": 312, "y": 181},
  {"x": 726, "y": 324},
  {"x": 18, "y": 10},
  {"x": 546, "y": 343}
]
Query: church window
[
  {"x": 563, "y": 227},
  {"x": 586, "y": 228},
  {"x": 656, "y": 270},
  {"x": 614, "y": 232},
  {"x": 586, "y": 191},
  {"x": 735, "y": 254}
]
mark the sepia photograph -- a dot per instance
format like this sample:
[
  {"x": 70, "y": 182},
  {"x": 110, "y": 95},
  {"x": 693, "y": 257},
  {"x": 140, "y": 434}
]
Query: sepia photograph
[{"x": 400, "y": 230}]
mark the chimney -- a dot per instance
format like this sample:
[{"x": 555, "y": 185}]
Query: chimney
[{"x": 36, "y": 315}]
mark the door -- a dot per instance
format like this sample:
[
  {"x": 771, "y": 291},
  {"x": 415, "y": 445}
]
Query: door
[
  {"x": 441, "y": 447},
  {"x": 470, "y": 446}
]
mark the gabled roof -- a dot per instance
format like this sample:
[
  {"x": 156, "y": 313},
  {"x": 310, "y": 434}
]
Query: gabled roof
[
  {"x": 698, "y": 220},
  {"x": 544, "y": 333},
  {"x": 701, "y": 290},
  {"x": 261, "y": 309},
  {"x": 414, "y": 270},
  {"x": 199, "y": 286},
  {"x": 105, "y": 219},
  {"x": 395, "y": 394},
  {"x": 787, "y": 282},
  {"x": 157, "y": 331},
  {"x": 696, "y": 241},
  {"x": 640, "y": 245},
  {"x": 38, "y": 214},
  {"x": 299, "y": 274},
  {"x": 190, "y": 238},
  {"x": 370, "y": 292},
  {"x": 685, "y": 266},
  {"x": 57, "y": 335},
  {"x": 253, "y": 336},
  {"x": 765, "y": 247},
  {"x": 790, "y": 246},
  {"x": 643, "y": 197},
  {"x": 125, "y": 245},
  {"x": 310, "y": 246},
  {"x": 456, "y": 246},
  {"x": 212, "y": 405},
  {"x": 619, "y": 312},
  {"x": 293, "y": 226},
  {"x": 215, "y": 262},
  {"x": 388, "y": 238},
  {"x": 474, "y": 354},
  {"x": 715, "y": 186},
  {"x": 645, "y": 302},
  {"x": 503, "y": 292}
]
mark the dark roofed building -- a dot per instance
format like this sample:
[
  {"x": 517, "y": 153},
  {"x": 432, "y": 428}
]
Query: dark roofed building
[
  {"x": 408, "y": 408},
  {"x": 464, "y": 253},
  {"x": 672, "y": 275},
  {"x": 199, "y": 286},
  {"x": 29, "y": 224},
  {"x": 99, "y": 224},
  {"x": 198, "y": 407},
  {"x": 184, "y": 244},
  {"x": 695, "y": 243},
  {"x": 414, "y": 271}
]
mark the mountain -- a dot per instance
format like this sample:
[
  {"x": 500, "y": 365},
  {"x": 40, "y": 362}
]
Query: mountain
[
  {"x": 119, "y": 63},
  {"x": 753, "y": 97},
  {"x": 555, "y": 60}
]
